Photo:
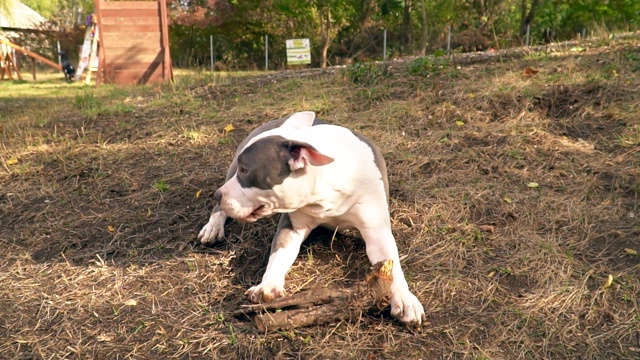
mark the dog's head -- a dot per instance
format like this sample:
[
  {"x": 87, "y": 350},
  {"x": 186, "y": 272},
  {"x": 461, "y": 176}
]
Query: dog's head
[{"x": 273, "y": 175}]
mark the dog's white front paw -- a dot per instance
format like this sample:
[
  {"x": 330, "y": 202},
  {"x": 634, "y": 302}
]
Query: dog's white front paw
[
  {"x": 214, "y": 230},
  {"x": 407, "y": 308},
  {"x": 265, "y": 292}
]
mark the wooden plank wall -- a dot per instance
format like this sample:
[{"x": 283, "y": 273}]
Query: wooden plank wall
[{"x": 134, "y": 44}]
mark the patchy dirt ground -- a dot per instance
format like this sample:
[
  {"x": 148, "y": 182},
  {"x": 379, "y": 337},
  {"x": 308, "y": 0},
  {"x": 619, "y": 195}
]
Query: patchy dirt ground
[{"x": 514, "y": 199}]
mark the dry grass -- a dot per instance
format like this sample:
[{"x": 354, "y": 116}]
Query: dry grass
[{"x": 99, "y": 214}]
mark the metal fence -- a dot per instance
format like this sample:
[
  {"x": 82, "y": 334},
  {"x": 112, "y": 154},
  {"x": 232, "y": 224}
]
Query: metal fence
[{"x": 447, "y": 40}]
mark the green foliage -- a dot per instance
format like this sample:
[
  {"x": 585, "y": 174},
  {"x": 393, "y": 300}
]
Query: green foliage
[
  {"x": 367, "y": 73},
  {"x": 238, "y": 28},
  {"x": 161, "y": 185},
  {"x": 634, "y": 58},
  {"x": 87, "y": 101},
  {"x": 62, "y": 11},
  {"x": 92, "y": 105},
  {"x": 568, "y": 17},
  {"x": 428, "y": 65}
]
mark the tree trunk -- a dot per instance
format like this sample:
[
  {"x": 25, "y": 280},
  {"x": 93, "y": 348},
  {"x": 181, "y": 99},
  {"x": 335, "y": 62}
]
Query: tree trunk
[
  {"x": 423, "y": 41},
  {"x": 325, "y": 33},
  {"x": 406, "y": 25},
  {"x": 527, "y": 15}
]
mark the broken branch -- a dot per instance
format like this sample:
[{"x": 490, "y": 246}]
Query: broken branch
[{"x": 318, "y": 306}]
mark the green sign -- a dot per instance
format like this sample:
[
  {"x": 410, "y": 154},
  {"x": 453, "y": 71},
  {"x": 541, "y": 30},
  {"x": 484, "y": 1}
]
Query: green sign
[{"x": 298, "y": 52}]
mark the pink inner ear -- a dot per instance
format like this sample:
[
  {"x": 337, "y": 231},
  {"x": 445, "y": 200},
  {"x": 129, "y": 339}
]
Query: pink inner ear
[
  {"x": 315, "y": 158},
  {"x": 305, "y": 156}
]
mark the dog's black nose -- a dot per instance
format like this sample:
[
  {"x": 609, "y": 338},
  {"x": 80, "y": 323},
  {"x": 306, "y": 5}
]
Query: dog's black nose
[{"x": 217, "y": 196}]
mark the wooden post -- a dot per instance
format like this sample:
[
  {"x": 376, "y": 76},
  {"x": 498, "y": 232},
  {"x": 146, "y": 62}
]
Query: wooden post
[
  {"x": 33, "y": 68},
  {"x": 11, "y": 63},
  {"x": 1, "y": 65},
  {"x": 7, "y": 65},
  {"x": 15, "y": 66},
  {"x": 164, "y": 26}
]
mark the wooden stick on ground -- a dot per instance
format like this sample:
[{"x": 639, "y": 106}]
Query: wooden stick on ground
[{"x": 324, "y": 305}]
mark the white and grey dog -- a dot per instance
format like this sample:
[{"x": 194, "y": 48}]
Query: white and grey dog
[{"x": 314, "y": 174}]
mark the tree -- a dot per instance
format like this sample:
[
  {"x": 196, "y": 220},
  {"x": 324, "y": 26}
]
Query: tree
[
  {"x": 353, "y": 28},
  {"x": 423, "y": 39},
  {"x": 527, "y": 12},
  {"x": 62, "y": 12},
  {"x": 405, "y": 34},
  {"x": 333, "y": 16},
  {"x": 326, "y": 30}
]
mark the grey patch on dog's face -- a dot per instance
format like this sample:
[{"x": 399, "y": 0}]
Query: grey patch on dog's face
[
  {"x": 264, "y": 164},
  {"x": 259, "y": 130}
]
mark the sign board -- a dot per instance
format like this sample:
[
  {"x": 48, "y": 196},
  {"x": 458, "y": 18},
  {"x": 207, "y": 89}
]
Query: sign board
[{"x": 298, "y": 52}]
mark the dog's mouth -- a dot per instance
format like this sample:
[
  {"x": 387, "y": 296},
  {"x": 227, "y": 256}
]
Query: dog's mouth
[{"x": 256, "y": 214}]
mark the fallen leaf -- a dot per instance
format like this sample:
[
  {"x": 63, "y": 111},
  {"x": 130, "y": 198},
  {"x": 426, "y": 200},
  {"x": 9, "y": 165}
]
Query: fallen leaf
[
  {"x": 528, "y": 72},
  {"x": 12, "y": 161},
  {"x": 471, "y": 95},
  {"x": 630, "y": 251},
  {"x": 491, "y": 274},
  {"x": 131, "y": 302},
  {"x": 229, "y": 128},
  {"x": 111, "y": 228},
  {"x": 198, "y": 194},
  {"x": 105, "y": 338},
  {"x": 533, "y": 185},
  {"x": 507, "y": 200},
  {"x": 487, "y": 228},
  {"x": 459, "y": 122},
  {"x": 609, "y": 281}
]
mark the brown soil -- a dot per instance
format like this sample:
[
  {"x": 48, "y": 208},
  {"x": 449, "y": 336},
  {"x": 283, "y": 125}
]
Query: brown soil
[{"x": 99, "y": 215}]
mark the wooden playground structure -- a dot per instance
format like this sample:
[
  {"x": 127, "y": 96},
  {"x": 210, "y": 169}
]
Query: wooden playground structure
[
  {"x": 134, "y": 42},
  {"x": 130, "y": 39},
  {"x": 8, "y": 63}
]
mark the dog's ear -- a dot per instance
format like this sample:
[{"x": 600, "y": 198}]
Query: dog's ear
[
  {"x": 300, "y": 120},
  {"x": 302, "y": 154}
]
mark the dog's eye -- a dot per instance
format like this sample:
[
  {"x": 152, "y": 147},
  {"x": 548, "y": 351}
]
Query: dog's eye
[{"x": 243, "y": 170}]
